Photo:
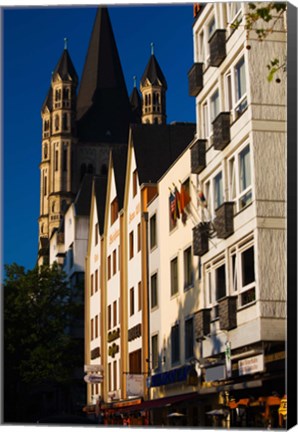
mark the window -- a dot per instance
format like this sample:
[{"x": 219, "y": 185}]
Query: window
[
  {"x": 235, "y": 89},
  {"x": 139, "y": 237},
  {"x": 240, "y": 187},
  {"x": 114, "y": 210},
  {"x": 131, "y": 245},
  {"x": 114, "y": 262},
  {"x": 45, "y": 151},
  {"x": 140, "y": 296},
  {"x": 134, "y": 183},
  {"x": 57, "y": 122},
  {"x": 210, "y": 110},
  {"x": 132, "y": 301},
  {"x": 96, "y": 326},
  {"x": 45, "y": 186},
  {"x": 92, "y": 329},
  {"x": 234, "y": 14},
  {"x": 109, "y": 267},
  {"x": 214, "y": 106},
  {"x": 152, "y": 231},
  {"x": 96, "y": 233},
  {"x": 115, "y": 374},
  {"x": 188, "y": 269},
  {"x": 172, "y": 210},
  {"x": 92, "y": 284},
  {"x": 96, "y": 280},
  {"x": 218, "y": 190},
  {"x": 64, "y": 122},
  {"x": 174, "y": 276},
  {"x": 109, "y": 317},
  {"x": 175, "y": 344},
  {"x": 220, "y": 280},
  {"x": 56, "y": 160},
  {"x": 243, "y": 278},
  {"x": 154, "y": 300},
  {"x": 135, "y": 362},
  {"x": 189, "y": 339},
  {"x": 115, "y": 313},
  {"x": 110, "y": 376},
  {"x": 64, "y": 161},
  {"x": 154, "y": 348}
]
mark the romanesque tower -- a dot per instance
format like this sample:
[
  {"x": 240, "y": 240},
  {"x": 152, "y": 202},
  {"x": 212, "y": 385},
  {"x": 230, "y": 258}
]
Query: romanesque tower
[
  {"x": 153, "y": 88},
  {"x": 58, "y": 131}
]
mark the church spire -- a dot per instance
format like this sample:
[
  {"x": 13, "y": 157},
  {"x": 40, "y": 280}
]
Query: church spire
[
  {"x": 102, "y": 104},
  {"x": 135, "y": 103},
  {"x": 153, "y": 88}
]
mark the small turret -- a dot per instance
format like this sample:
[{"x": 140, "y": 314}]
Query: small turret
[{"x": 153, "y": 88}]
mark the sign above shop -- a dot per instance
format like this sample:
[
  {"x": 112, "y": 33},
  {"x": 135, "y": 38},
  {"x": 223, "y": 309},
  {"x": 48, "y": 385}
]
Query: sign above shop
[
  {"x": 93, "y": 368},
  {"x": 251, "y": 365},
  {"x": 93, "y": 378},
  {"x": 215, "y": 373},
  {"x": 135, "y": 385}
]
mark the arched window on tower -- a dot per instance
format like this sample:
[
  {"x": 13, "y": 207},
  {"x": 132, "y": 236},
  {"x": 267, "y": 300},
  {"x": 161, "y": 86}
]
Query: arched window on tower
[
  {"x": 45, "y": 185},
  {"x": 45, "y": 151},
  {"x": 65, "y": 93},
  {"x": 146, "y": 100},
  {"x": 57, "y": 122},
  {"x": 53, "y": 206},
  {"x": 90, "y": 169},
  {"x": 65, "y": 122},
  {"x": 154, "y": 98}
]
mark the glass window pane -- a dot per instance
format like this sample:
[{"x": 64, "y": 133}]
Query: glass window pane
[
  {"x": 214, "y": 105},
  {"x": 248, "y": 268},
  {"x": 189, "y": 342},
  {"x": 240, "y": 79},
  {"x": 245, "y": 174},
  {"x": 218, "y": 190},
  {"x": 220, "y": 277}
]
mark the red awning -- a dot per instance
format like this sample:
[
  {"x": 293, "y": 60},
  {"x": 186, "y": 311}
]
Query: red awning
[{"x": 157, "y": 403}]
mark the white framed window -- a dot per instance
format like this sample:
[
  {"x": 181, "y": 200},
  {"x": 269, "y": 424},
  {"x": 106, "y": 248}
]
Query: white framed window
[
  {"x": 210, "y": 109},
  {"x": 202, "y": 40},
  {"x": 236, "y": 89},
  {"x": 242, "y": 267},
  {"x": 234, "y": 14},
  {"x": 215, "y": 284},
  {"x": 240, "y": 178},
  {"x": 218, "y": 190}
]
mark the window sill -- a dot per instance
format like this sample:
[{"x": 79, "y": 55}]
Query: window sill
[
  {"x": 175, "y": 295},
  {"x": 241, "y": 308},
  {"x": 243, "y": 209}
]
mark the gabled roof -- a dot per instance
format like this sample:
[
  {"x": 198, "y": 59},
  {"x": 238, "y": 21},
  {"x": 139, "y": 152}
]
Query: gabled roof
[
  {"x": 65, "y": 68},
  {"x": 103, "y": 109},
  {"x": 136, "y": 106},
  {"x": 153, "y": 73},
  {"x": 158, "y": 146},
  {"x": 100, "y": 190},
  {"x": 83, "y": 198},
  {"x": 119, "y": 156}
]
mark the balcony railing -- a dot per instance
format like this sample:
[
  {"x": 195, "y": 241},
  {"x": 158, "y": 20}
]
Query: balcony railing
[
  {"x": 198, "y": 156},
  {"x": 200, "y": 238},
  {"x": 227, "y": 313},
  {"x": 195, "y": 79},
  {"x": 217, "y": 45},
  {"x": 224, "y": 220},
  {"x": 202, "y": 323},
  {"x": 221, "y": 131}
]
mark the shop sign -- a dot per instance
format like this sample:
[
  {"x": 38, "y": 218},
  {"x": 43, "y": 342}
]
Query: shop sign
[
  {"x": 251, "y": 365},
  {"x": 93, "y": 378},
  {"x": 215, "y": 373},
  {"x": 283, "y": 407},
  {"x": 93, "y": 368},
  {"x": 135, "y": 385},
  {"x": 173, "y": 376}
]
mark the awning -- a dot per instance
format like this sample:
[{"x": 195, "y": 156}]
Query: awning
[{"x": 158, "y": 403}]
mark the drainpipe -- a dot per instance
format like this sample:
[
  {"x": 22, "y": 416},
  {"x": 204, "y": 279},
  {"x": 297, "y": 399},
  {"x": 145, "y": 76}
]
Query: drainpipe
[{"x": 145, "y": 216}]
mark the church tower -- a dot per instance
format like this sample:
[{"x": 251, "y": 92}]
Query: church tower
[
  {"x": 153, "y": 88},
  {"x": 58, "y": 132}
]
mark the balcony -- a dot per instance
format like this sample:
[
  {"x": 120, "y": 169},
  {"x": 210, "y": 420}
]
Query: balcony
[
  {"x": 227, "y": 313},
  {"x": 221, "y": 131},
  {"x": 202, "y": 323},
  {"x": 200, "y": 238},
  {"x": 217, "y": 46},
  {"x": 195, "y": 79},
  {"x": 198, "y": 156},
  {"x": 224, "y": 220}
]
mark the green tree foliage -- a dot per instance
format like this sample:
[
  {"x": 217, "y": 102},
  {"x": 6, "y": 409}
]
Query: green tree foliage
[
  {"x": 262, "y": 18},
  {"x": 38, "y": 314}
]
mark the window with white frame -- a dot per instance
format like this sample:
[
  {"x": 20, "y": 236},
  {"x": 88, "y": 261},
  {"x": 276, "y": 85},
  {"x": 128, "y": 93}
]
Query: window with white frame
[
  {"x": 154, "y": 348},
  {"x": 235, "y": 89},
  {"x": 203, "y": 36},
  {"x": 218, "y": 190},
  {"x": 214, "y": 194},
  {"x": 240, "y": 184},
  {"x": 215, "y": 285},
  {"x": 234, "y": 15},
  {"x": 210, "y": 110},
  {"x": 243, "y": 280}
]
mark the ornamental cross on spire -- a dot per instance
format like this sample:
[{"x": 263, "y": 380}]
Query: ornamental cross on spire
[
  {"x": 134, "y": 81},
  {"x": 65, "y": 43},
  {"x": 152, "y": 48}
]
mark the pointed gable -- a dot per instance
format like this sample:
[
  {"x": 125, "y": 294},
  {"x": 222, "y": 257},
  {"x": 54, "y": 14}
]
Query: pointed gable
[
  {"x": 119, "y": 156},
  {"x": 100, "y": 191},
  {"x": 103, "y": 109}
]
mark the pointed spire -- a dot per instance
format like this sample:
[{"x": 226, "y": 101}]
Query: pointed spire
[
  {"x": 65, "y": 67},
  {"x": 153, "y": 71},
  {"x": 102, "y": 102},
  {"x": 135, "y": 103}
]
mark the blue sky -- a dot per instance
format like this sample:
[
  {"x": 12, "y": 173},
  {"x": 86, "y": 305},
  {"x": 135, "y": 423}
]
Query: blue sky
[{"x": 33, "y": 41}]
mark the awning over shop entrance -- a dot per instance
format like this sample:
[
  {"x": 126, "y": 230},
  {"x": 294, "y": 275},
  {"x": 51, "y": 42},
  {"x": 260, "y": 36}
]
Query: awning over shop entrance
[{"x": 158, "y": 403}]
